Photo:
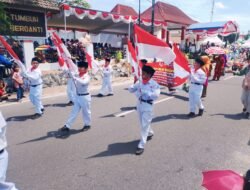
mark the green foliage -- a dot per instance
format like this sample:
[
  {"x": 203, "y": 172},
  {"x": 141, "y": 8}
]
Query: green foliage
[
  {"x": 118, "y": 56},
  {"x": 4, "y": 21},
  {"x": 78, "y": 3}
]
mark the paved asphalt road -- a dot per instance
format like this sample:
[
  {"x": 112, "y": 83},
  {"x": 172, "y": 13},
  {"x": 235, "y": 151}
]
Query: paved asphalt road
[{"x": 103, "y": 157}]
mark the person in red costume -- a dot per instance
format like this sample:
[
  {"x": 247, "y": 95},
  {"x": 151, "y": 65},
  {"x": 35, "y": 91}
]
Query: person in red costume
[{"x": 219, "y": 67}]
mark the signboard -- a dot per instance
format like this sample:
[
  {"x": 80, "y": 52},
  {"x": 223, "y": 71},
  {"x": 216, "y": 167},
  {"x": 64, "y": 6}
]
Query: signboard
[{"x": 26, "y": 23}]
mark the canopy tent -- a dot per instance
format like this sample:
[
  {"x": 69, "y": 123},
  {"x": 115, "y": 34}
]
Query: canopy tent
[
  {"x": 246, "y": 44},
  {"x": 174, "y": 17},
  {"x": 80, "y": 18},
  {"x": 223, "y": 28},
  {"x": 213, "y": 39}
]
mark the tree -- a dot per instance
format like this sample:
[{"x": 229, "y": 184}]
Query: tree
[
  {"x": 4, "y": 21},
  {"x": 78, "y": 3}
]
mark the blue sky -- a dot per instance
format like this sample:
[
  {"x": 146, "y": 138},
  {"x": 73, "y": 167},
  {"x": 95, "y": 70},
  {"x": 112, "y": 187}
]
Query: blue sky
[{"x": 200, "y": 10}]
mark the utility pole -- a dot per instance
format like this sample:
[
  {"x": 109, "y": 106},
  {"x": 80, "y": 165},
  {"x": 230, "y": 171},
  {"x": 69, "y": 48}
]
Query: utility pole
[
  {"x": 212, "y": 12},
  {"x": 153, "y": 17},
  {"x": 139, "y": 19}
]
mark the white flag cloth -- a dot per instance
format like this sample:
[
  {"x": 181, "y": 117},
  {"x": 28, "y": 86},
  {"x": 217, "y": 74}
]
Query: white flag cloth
[{"x": 150, "y": 47}]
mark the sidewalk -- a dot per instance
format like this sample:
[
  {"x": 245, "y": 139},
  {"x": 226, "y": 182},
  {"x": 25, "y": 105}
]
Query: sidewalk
[{"x": 61, "y": 90}]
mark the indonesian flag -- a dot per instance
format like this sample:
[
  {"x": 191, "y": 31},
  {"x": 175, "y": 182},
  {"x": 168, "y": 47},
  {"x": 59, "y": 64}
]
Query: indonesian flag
[
  {"x": 150, "y": 47},
  {"x": 93, "y": 64},
  {"x": 181, "y": 67},
  {"x": 12, "y": 53},
  {"x": 132, "y": 60},
  {"x": 174, "y": 74},
  {"x": 64, "y": 57}
]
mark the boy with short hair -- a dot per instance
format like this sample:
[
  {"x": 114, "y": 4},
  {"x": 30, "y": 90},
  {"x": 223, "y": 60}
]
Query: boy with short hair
[
  {"x": 34, "y": 76},
  {"x": 147, "y": 92},
  {"x": 82, "y": 99},
  {"x": 107, "y": 80}
]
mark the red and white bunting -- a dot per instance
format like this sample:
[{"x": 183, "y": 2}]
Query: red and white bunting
[{"x": 92, "y": 14}]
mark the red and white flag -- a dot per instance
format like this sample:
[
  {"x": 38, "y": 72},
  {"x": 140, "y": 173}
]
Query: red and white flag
[
  {"x": 181, "y": 67},
  {"x": 94, "y": 65},
  {"x": 12, "y": 53},
  {"x": 132, "y": 60},
  {"x": 150, "y": 47},
  {"x": 174, "y": 74},
  {"x": 63, "y": 54}
]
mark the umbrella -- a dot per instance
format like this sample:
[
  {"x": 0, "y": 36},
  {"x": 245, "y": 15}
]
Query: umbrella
[
  {"x": 42, "y": 47},
  {"x": 215, "y": 40},
  {"x": 246, "y": 44},
  {"x": 222, "y": 180},
  {"x": 215, "y": 51}
]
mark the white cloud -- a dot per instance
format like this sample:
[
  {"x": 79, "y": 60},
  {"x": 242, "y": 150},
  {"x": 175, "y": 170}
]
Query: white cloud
[
  {"x": 220, "y": 5},
  {"x": 241, "y": 19}
]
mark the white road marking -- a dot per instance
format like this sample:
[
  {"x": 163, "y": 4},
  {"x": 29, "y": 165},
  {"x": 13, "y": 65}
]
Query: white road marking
[
  {"x": 124, "y": 113},
  {"x": 163, "y": 100},
  {"x": 131, "y": 111}
]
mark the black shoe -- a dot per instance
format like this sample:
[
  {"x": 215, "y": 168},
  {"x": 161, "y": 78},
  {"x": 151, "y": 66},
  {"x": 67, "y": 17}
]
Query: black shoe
[
  {"x": 64, "y": 129},
  {"x": 99, "y": 95},
  {"x": 42, "y": 110},
  {"x": 86, "y": 127},
  {"x": 36, "y": 115},
  {"x": 244, "y": 109},
  {"x": 63, "y": 132},
  {"x": 150, "y": 137},
  {"x": 139, "y": 151},
  {"x": 70, "y": 103},
  {"x": 247, "y": 115},
  {"x": 110, "y": 95},
  {"x": 191, "y": 114},
  {"x": 200, "y": 112}
]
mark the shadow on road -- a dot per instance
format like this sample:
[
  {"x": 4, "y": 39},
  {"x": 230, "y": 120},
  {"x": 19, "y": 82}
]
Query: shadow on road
[
  {"x": 170, "y": 116},
  {"x": 54, "y": 134},
  {"x": 128, "y": 108},
  {"x": 20, "y": 118},
  {"x": 118, "y": 149},
  {"x": 109, "y": 115},
  {"x": 184, "y": 98},
  {"x": 237, "y": 116},
  {"x": 57, "y": 105}
]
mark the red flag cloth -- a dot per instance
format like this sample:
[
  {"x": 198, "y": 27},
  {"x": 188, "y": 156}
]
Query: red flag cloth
[
  {"x": 150, "y": 47},
  {"x": 89, "y": 60},
  {"x": 132, "y": 60},
  {"x": 63, "y": 53},
  {"x": 222, "y": 180},
  {"x": 9, "y": 49},
  {"x": 13, "y": 54},
  {"x": 173, "y": 74},
  {"x": 92, "y": 63},
  {"x": 181, "y": 67}
]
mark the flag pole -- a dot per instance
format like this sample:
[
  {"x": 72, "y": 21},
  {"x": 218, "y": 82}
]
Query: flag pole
[
  {"x": 139, "y": 18},
  {"x": 153, "y": 17},
  {"x": 65, "y": 21}
]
